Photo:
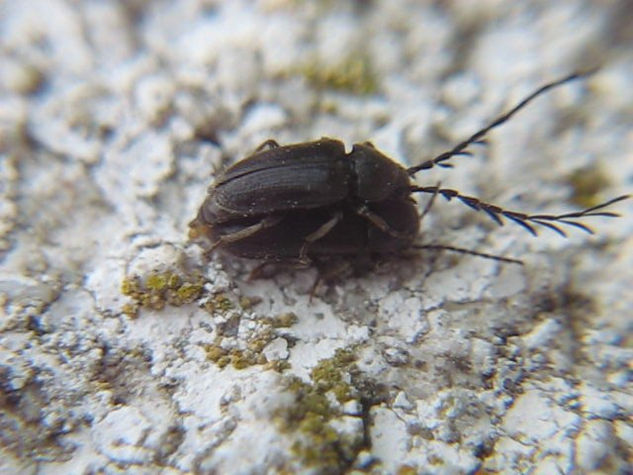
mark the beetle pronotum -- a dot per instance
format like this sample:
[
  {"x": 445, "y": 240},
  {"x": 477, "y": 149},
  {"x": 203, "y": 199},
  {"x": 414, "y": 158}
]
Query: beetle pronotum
[{"x": 313, "y": 200}]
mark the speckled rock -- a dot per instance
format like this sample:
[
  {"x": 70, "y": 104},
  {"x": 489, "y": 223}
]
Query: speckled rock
[{"x": 123, "y": 349}]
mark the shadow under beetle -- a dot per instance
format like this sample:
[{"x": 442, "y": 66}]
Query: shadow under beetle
[{"x": 312, "y": 200}]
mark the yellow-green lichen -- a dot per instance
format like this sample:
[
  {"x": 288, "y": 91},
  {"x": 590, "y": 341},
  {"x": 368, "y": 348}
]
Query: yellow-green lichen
[
  {"x": 285, "y": 320},
  {"x": 188, "y": 292},
  {"x": 311, "y": 417},
  {"x": 220, "y": 356},
  {"x": 278, "y": 365},
  {"x": 219, "y": 303},
  {"x": 329, "y": 374},
  {"x": 355, "y": 75},
  {"x": 406, "y": 470},
  {"x": 215, "y": 352},
  {"x": 226, "y": 351},
  {"x": 224, "y": 361},
  {"x": 257, "y": 343},
  {"x": 323, "y": 448},
  {"x": 159, "y": 281},
  {"x": 242, "y": 359},
  {"x": 587, "y": 184},
  {"x": 130, "y": 286},
  {"x": 236, "y": 357},
  {"x": 248, "y": 302},
  {"x": 130, "y": 309},
  {"x": 159, "y": 289}
]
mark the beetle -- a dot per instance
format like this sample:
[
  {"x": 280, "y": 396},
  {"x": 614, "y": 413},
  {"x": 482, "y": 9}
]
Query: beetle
[{"x": 312, "y": 200}]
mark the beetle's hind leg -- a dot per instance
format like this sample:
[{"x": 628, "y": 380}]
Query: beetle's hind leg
[
  {"x": 470, "y": 252},
  {"x": 267, "y": 222},
  {"x": 323, "y": 230},
  {"x": 269, "y": 268}
]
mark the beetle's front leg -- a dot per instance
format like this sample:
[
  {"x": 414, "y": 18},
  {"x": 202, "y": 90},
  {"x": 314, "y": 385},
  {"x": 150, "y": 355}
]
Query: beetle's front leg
[
  {"x": 267, "y": 222},
  {"x": 379, "y": 222},
  {"x": 324, "y": 229},
  {"x": 429, "y": 204},
  {"x": 270, "y": 143}
]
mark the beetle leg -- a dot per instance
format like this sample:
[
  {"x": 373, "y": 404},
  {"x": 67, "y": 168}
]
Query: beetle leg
[
  {"x": 429, "y": 204},
  {"x": 318, "y": 234},
  {"x": 380, "y": 223},
  {"x": 248, "y": 231},
  {"x": 470, "y": 252},
  {"x": 270, "y": 143},
  {"x": 269, "y": 268}
]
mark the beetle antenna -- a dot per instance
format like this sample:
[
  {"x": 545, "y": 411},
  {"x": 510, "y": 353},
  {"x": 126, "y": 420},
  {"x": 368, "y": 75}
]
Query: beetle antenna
[
  {"x": 478, "y": 137},
  {"x": 527, "y": 221},
  {"x": 461, "y": 250}
]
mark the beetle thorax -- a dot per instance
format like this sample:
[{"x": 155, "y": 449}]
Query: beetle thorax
[{"x": 377, "y": 177}]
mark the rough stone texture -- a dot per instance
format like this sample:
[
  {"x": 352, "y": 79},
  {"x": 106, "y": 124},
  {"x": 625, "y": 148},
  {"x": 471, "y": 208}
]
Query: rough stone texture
[{"x": 113, "y": 118}]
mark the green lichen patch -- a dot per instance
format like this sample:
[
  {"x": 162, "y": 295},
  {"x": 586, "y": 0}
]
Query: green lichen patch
[
  {"x": 588, "y": 183},
  {"x": 285, "y": 320},
  {"x": 407, "y": 470},
  {"x": 249, "y": 350},
  {"x": 215, "y": 352},
  {"x": 159, "y": 289},
  {"x": 242, "y": 359},
  {"x": 222, "y": 354},
  {"x": 320, "y": 444},
  {"x": 246, "y": 303},
  {"x": 130, "y": 309},
  {"x": 236, "y": 357},
  {"x": 278, "y": 365},
  {"x": 257, "y": 343},
  {"x": 330, "y": 374},
  {"x": 355, "y": 75},
  {"x": 219, "y": 303}
]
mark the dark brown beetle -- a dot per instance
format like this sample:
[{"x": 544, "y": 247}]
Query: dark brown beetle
[{"x": 313, "y": 200}]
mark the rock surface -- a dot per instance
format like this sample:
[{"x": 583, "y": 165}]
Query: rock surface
[{"x": 124, "y": 350}]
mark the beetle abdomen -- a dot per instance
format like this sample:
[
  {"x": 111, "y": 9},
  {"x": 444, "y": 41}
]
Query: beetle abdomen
[
  {"x": 352, "y": 235},
  {"x": 286, "y": 239}
]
